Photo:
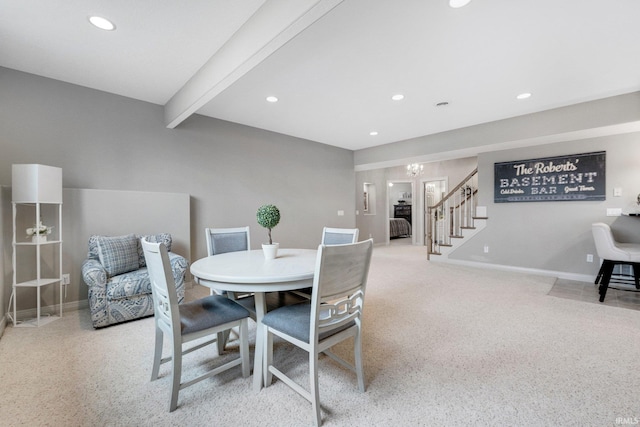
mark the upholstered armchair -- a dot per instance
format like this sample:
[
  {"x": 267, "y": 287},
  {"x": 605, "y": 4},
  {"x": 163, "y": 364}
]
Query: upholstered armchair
[{"x": 119, "y": 285}]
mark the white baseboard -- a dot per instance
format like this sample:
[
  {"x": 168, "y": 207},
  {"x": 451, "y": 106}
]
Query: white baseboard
[
  {"x": 3, "y": 325},
  {"x": 44, "y": 311},
  {"x": 558, "y": 274}
]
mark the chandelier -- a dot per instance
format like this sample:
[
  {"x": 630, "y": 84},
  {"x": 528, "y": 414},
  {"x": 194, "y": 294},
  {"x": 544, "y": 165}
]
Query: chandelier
[{"x": 415, "y": 169}]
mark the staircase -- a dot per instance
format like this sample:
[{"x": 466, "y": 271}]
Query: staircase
[{"x": 454, "y": 218}]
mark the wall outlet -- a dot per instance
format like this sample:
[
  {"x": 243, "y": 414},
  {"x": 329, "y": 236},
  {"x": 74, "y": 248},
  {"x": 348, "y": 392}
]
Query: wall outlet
[
  {"x": 617, "y": 192},
  {"x": 614, "y": 211},
  {"x": 66, "y": 280},
  {"x": 589, "y": 257},
  {"x": 486, "y": 249},
  {"x": 341, "y": 213}
]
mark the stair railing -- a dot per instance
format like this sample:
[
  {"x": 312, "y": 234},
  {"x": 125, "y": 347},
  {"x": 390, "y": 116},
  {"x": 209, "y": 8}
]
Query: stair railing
[{"x": 456, "y": 210}]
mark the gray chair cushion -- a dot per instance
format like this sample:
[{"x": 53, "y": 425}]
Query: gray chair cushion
[
  {"x": 208, "y": 312},
  {"x": 274, "y": 300},
  {"x": 295, "y": 320},
  {"x": 337, "y": 238},
  {"x": 228, "y": 242}
]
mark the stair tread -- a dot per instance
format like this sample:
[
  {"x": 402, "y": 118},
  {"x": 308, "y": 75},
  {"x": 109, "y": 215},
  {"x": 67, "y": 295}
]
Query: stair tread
[{"x": 452, "y": 222}]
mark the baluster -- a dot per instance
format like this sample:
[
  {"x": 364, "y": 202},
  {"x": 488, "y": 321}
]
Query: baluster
[
  {"x": 454, "y": 212},
  {"x": 459, "y": 213}
]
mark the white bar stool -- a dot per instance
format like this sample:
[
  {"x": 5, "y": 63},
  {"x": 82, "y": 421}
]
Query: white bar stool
[{"x": 613, "y": 253}]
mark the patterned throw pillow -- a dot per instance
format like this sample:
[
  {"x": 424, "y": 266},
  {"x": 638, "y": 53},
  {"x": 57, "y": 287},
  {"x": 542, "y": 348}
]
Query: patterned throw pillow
[
  {"x": 152, "y": 238},
  {"x": 93, "y": 247},
  {"x": 118, "y": 254}
]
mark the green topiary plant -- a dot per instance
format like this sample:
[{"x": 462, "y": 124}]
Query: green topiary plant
[{"x": 268, "y": 216}]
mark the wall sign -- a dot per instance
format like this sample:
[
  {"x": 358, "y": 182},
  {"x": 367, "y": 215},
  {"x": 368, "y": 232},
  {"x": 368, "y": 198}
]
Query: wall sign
[{"x": 577, "y": 177}]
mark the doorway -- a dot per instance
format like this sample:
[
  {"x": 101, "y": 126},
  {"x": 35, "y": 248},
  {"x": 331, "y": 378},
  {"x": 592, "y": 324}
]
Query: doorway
[{"x": 400, "y": 212}]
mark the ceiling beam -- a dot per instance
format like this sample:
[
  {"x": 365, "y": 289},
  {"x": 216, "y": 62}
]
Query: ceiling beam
[{"x": 271, "y": 27}]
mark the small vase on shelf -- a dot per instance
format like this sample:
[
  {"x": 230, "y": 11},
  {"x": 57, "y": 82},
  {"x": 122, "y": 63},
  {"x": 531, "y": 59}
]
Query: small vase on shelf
[
  {"x": 39, "y": 238},
  {"x": 39, "y": 232}
]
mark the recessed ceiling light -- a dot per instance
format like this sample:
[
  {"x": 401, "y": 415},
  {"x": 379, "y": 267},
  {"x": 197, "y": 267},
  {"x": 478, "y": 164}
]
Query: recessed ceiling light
[
  {"x": 524, "y": 95},
  {"x": 373, "y": 133},
  {"x": 398, "y": 97},
  {"x": 442, "y": 104},
  {"x": 102, "y": 23},
  {"x": 458, "y": 3},
  {"x": 272, "y": 99}
]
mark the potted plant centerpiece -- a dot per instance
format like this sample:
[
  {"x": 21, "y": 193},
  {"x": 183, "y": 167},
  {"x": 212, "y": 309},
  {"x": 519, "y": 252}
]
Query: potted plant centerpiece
[{"x": 268, "y": 216}]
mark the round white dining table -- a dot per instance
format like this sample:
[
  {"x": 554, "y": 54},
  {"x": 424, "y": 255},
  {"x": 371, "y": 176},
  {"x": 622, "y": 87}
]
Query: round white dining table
[{"x": 249, "y": 271}]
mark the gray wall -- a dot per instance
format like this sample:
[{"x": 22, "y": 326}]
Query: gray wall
[
  {"x": 104, "y": 141},
  {"x": 549, "y": 236},
  {"x": 376, "y": 225},
  {"x": 604, "y": 116},
  {"x": 108, "y": 142},
  {"x": 556, "y": 236},
  {"x": 83, "y": 214},
  {"x": 5, "y": 260}
]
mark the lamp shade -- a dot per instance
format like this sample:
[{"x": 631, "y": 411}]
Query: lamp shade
[{"x": 36, "y": 184}]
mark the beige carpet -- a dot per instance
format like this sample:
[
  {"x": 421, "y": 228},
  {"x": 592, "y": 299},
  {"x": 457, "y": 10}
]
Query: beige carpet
[{"x": 444, "y": 345}]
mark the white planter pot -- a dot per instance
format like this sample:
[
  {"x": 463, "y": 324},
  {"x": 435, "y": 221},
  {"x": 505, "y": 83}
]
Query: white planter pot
[
  {"x": 270, "y": 251},
  {"x": 38, "y": 238}
]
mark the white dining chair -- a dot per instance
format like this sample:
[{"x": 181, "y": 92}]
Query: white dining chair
[
  {"x": 184, "y": 323},
  {"x": 339, "y": 236},
  {"x": 223, "y": 240},
  {"x": 332, "y": 236},
  {"x": 613, "y": 253},
  {"x": 333, "y": 314}
]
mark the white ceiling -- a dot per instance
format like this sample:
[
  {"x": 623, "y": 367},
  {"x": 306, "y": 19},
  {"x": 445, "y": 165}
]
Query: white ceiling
[{"x": 334, "y": 64}]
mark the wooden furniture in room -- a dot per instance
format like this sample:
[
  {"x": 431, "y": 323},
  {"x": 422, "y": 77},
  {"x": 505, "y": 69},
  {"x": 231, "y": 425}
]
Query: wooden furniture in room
[
  {"x": 333, "y": 236},
  {"x": 248, "y": 271},
  {"x": 223, "y": 240},
  {"x": 339, "y": 236},
  {"x": 333, "y": 315},
  {"x": 402, "y": 211},
  {"x": 205, "y": 318}
]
